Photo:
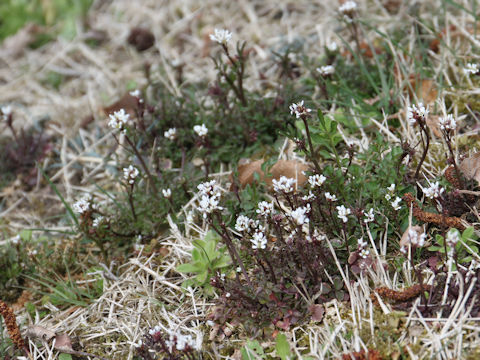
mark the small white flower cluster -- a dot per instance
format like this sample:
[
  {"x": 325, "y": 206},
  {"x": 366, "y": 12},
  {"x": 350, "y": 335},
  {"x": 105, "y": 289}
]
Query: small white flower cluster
[
  {"x": 330, "y": 197},
  {"x": 369, "y": 216},
  {"x": 447, "y": 123},
  {"x": 471, "y": 69},
  {"x": 221, "y": 36},
  {"x": 388, "y": 196},
  {"x": 299, "y": 215},
  {"x": 343, "y": 212},
  {"x": 396, "y": 204},
  {"x": 136, "y": 93},
  {"x": 6, "y": 111},
  {"x": 265, "y": 208},
  {"x": 181, "y": 342},
  {"x": 209, "y": 197},
  {"x": 201, "y": 130},
  {"x": 97, "y": 221},
  {"x": 84, "y": 204},
  {"x": 326, "y": 70},
  {"x": 434, "y": 191},
  {"x": 167, "y": 193},
  {"x": 453, "y": 237},
  {"x": 416, "y": 112},
  {"x": 243, "y": 223},
  {"x": 416, "y": 239},
  {"x": 391, "y": 190},
  {"x": 316, "y": 180},
  {"x": 299, "y": 110},
  {"x": 119, "y": 120},
  {"x": 309, "y": 196},
  {"x": 16, "y": 239},
  {"x": 259, "y": 240},
  {"x": 170, "y": 134},
  {"x": 283, "y": 184},
  {"x": 348, "y": 7},
  {"x": 130, "y": 174},
  {"x": 362, "y": 247},
  {"x": 332, "y": 46}
]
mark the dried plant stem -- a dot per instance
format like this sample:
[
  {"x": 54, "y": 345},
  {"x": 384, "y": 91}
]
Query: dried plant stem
[{"x": 310, "y": 144}]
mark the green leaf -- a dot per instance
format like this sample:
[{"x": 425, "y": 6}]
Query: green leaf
[
  {"x": 202, "y": 277},
  {"x": 64, "y": 357},
  {"x": 252, "y": 351},
  {"x": 467, "y": 234},
  {"x": 282, "y": 347},
  {"x": 188, "y": 268}
]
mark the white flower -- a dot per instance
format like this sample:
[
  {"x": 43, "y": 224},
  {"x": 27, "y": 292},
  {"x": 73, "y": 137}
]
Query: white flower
[
  {"x": 332, "y": 46},
  {"x": 201, "y": 130},
  {"x": 309, "y": 196},
  {"x": 364, "y": 253},
  {"x": 6, "y": 110},
  {"x": 135, "y": 93},
  {"x": 395, "y": 203},
  {"x": 299, "y": 110},
  {"x": 330, "y": 197},
  {"x": 221, "y": 36},
  {"x": 83, "y": 205},
  {"x": 361, "y": 244},
  {"x": 265, "y": 208},
  {"x": 470, "y": 69},
  {"x": 391, "y": 190},
  {"x": 416, "y": 112},
  {"x": 16, "y": 239},
  {"x": 453, "y": 237},
  {"x": 447, "y": 123},
  {"x": 434, "y": 191},
  {"x": 326, "y": 70},
  {"x": 243, "y": 223},
  {"x": 283, "y": 184},
  {"x": 130, "y": 174},
  {"x": 416, "y": 239},
  {"x": 208, "y": 188},
  {"x": 299, "y": 215},
  {"x": 170, "y": 134},
  {"x": 369, "y": 216},
  {"x": 259, "y": 241},
  {"x": 208, "y": 204},
  {"x": 97, "y": 221},
  {"x": 209, "y": 197},
  {"x": 139, "y": 344},
  {"x": 348, "y": 7},
  {"x": 167, "y": 193},
  {"x": 119, "y": 120},
  {"x": 316, "y": 180},
  {"x": 343, "y": 212}
]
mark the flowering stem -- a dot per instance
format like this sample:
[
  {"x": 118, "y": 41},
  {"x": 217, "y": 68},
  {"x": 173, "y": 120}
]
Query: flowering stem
[
  {"x": 425, "y": 150},
  {"x": 144, "y": 166},
  {"x": 130, "y": 201},
  {"x": 238, "y": 89},
  {"x": 231, "y": 248},
  {"x": 457, "y": 172},
  {"x": 312, "y": 151}
]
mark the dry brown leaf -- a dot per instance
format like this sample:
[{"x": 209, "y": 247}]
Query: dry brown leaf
[
  {"x": 470, "y": 167},
  {"x": 405, "y": 240},
  {"x": 128, "y": 102},
  {"x": 289, "y": 168},
  {"x": 63, "y": 343},
  {"x": 39, "y": 332},
  {"x": 317, "y": 312}
]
